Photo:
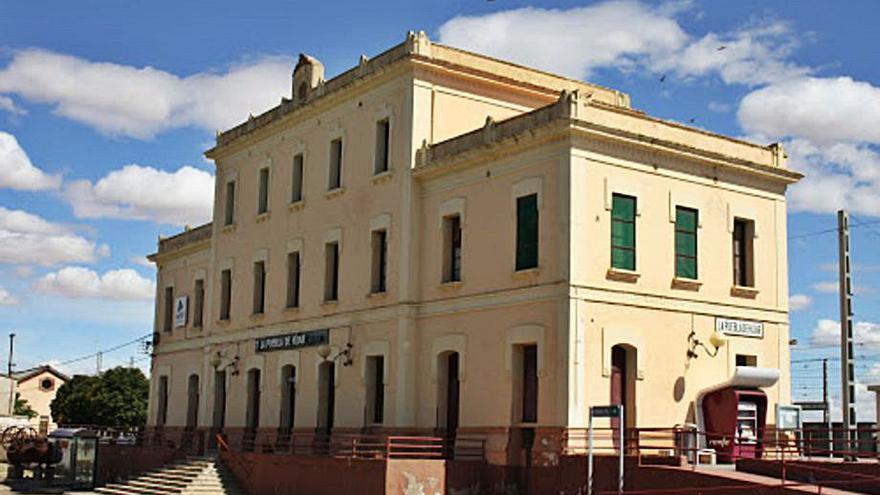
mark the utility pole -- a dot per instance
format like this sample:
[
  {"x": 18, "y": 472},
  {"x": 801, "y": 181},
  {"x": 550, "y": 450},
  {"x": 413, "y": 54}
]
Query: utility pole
[
  {"x": 9, "y": 374},
  {"x": 826, "y": 413},
  {"x": 98, "y": 357},
  {"x": 847, "y": 364},
  {"x": 131, "y": 362}
]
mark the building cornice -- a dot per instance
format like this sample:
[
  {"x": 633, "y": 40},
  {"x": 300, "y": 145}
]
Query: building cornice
[
  {"x": 573, "y": 116},
  {"x": 417, "y": 51}
]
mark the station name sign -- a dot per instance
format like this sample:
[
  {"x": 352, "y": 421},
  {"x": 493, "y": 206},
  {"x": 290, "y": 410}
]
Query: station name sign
[
  {"x": 740, "y": 328},
  {"x": 293, "y": 340}
]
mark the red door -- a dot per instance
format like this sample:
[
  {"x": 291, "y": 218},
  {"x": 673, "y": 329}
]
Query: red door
[{"x": 618, "y": 387}]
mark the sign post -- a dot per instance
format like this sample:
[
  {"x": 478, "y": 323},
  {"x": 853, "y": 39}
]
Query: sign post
[{"x": 605, "y": 412}]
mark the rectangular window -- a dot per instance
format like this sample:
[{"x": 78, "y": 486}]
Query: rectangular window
[
  {"x": 263, "y": 194},
  {"x": 746, "y": 360},
  {"x": 452, "y": 249},
  {"x": 162, "y": 403},
  {"x": 225, "y": 293},
  {"x": 331, "y": 271},
  {"x": 293, "y": 269},
  {"x": 623, "y": 232},
  {"x": 527, "y": 232},
  {"x": 198, "y": 303},
  {"x": 743, "y": 233},
  {"x": 686, "y": 222},
  {"x": 259, "y": 287},
  {"x": 529, "y": 383},
  {"x": 376, "y": 389},
  {"x": 169, "y": 309},
  {"x": 296, "y": 187},
  {"x": 383, "y": 133},
  {"x": 229, "y": 213},
  {"x": 335, "y": 177},
  {"x": 380, "y": 261}
]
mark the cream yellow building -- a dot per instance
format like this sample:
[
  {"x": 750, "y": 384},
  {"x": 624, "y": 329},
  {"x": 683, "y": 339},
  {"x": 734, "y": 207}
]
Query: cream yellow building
[
  {"x": 38, "y": 386},
  {"x": 439, "y": 242}
]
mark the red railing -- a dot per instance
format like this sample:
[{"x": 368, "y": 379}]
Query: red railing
[
  {"x": 785, "y": 447},
  {"x": 222, "y": 446},
  {"x": 364, "y": 446}
]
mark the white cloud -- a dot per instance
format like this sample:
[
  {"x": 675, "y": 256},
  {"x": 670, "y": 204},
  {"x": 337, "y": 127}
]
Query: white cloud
[
  {"x": 751, "y": 56},
  {"x": 79, "y": 282},
  {"x": 827, "y": 332},
  {"x": 626, "y": 35},
  {"x": 719, "y": 107},
  {"x": 183, "y": 197},
  {"x": 26, "y": 238},
  {"x": 8, "y": 105},
  {"x": 821, "y": 110},
  {"x": 17, "y": 171},
  {"x": 7, "y": 298},
  {"x": 143, "y": 101},
  {"x": 798, "y": 302},
  {"x": 142, "y": 261},
  {"x": 827, "y": 287}
]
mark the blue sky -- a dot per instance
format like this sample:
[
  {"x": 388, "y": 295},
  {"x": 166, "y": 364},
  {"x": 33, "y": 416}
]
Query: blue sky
[{"x": 106, "y": 107}]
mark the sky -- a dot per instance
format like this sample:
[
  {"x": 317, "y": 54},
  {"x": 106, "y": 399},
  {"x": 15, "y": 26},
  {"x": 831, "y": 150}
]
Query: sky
[{"x": 106, "y": 108}]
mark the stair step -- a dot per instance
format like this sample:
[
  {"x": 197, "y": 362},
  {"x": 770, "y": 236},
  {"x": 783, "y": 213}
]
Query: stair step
[
  {"x": 128, "y": 488},
  {"x": 193, "y": 476}
]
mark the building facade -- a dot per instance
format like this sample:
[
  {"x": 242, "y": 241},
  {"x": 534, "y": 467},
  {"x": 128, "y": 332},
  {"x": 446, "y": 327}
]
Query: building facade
[
  {"x": 38, "y": 386},
  {"x": 439, "y": 242}
]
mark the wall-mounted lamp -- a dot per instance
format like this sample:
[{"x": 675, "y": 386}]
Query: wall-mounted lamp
[
  {"x": 324, "y": 351},
  {"x": 716, "y": 340},
  {"x": 218, "y": 365}
]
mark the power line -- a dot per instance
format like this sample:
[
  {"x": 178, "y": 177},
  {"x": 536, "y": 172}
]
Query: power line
[{"x": 105, "y": 351}]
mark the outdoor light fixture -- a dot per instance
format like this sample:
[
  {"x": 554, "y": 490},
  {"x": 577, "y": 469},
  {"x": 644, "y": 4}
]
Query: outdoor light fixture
[
  {"x": 324, "y": 351},
  {"x": 716, "y": 340},
  {"x": 217, "y": 362}
]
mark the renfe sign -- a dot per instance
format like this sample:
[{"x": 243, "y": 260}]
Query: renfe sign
[
  {"x": 293, "y": 340},
  {"x": 740, "y": 328}
]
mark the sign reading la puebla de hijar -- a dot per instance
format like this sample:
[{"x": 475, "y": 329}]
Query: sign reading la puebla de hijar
[
  {"x": 296, "y": 340},
  {"x": 741, "y": 328}
]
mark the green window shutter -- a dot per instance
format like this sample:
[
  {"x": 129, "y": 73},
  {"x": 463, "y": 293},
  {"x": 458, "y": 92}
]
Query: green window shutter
[
  {"x": 623, "y": 232},
  {"x": 527, "y": 232},
  {"x": 686, "y": 222}
]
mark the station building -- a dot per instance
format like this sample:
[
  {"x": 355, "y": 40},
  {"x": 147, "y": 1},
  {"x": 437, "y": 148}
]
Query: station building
[{"x": 438, "y": 242}]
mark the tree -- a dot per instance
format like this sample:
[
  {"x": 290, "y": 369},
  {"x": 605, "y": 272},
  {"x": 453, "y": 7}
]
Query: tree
[
  {"x": 22, "y": 408},
  {"x": 117, "y": 397}
]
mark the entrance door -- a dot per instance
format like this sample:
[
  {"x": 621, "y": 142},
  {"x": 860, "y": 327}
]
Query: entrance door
[
  {"x": 219, "y": 400},
  {"x": 448, "y": 400},
  {"x": 618, "y": 388},
  {"x": 326, "y": 397},
  {"x": 192, "y": 406},
  {"x": 253, "y": 408}
]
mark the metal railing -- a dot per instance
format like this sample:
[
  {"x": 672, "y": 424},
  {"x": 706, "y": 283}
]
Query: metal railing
[{"x": 790, "y": 452}]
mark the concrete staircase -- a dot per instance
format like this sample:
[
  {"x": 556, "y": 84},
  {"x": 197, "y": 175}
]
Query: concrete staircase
[{"x": 195, "y": 476}]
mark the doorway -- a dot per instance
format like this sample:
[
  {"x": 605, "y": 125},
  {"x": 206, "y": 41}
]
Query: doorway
[
  {"x": 252, "y": 421},
  {"x": 192, "y": 402},
  {"x": 448, "y": 400},
  {"x": 623, "y": 390},
  {"x": 326, "y": 406}
]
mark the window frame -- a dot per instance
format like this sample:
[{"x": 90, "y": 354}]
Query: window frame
[
  {"x": 264, "y": 183},
  {"x": 682, "y": 231},
  {"x": 297, "y": 187},
  {"x": 524, "y": 244},
  {"x": 229, "y": 200},
  {"x": 632, "y": 225},
  {"x": 331, "y": 271},
  {"x": 225, "y": 294},
  {"x": 293, "y": 282},
  {"x": 198, "y": 303},
  {"x": 743, "y": 258},
  {"x": 259, "y": 302},
  {"x": 335, "y": 162},
  {"x": 453, "y": 235},
  {"x": 382, "y": 151},
  {"x": 379, "y": 261}
]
